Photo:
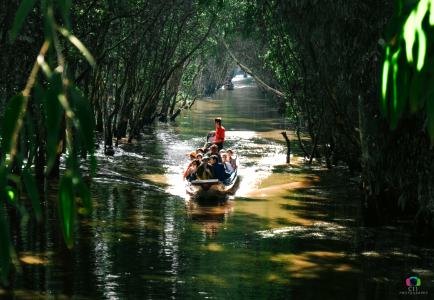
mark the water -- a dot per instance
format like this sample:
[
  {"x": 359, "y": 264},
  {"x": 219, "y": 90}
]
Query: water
[{"x": 288, "y": 232}]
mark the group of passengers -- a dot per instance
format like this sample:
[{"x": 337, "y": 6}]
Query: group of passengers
[{"x": 218, "y": 164}]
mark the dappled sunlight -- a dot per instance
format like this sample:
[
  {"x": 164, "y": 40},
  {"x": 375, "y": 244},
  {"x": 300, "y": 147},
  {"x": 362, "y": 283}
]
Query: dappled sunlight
[
  {"x": 31, "y": 260},
  {"x": 217, "y": 280},
  {"x": 215, "y": 247},
  {"x": 158, "y": 178},
  {"x": 277, "y": 136},
  {"x": 311, "y": 265},
  {"x": 247, "y": 135},
  {"x": 283, "y": 188},
  {"x": 280, "y": 211}
]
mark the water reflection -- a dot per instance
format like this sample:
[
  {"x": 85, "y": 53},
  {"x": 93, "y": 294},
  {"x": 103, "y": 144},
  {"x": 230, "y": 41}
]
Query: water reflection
[{"x": 288, "y": 231}]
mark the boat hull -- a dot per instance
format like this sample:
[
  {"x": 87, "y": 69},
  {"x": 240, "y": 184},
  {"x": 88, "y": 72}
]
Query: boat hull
[
  {"x": 229, "y": 87},
  {"x": 212, "y": 185}
]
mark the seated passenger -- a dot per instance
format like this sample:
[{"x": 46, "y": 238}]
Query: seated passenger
[
  {"x": 199, "y": 157},
  {"x": 192, "y": 157},
  {"x": 214, "y": 151},
  {"x": 219, "y": 170},
  {"x": 200, "y": 150},
  {"x": 221, "y": 152},
  {"x": 191, "y": 172},
  {"x": 232, "y": 161},
  {"x": 226, "y": 164},
  {"x": 205, "y": 170}
]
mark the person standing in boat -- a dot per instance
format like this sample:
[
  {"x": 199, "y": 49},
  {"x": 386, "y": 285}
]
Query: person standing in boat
[
  {"x": 219, "y": 134},
  {"x": 229, "y": 80}
]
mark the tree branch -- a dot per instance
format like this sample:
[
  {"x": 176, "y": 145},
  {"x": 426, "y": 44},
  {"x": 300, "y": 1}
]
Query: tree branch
[{"x": 247, "y": 70}]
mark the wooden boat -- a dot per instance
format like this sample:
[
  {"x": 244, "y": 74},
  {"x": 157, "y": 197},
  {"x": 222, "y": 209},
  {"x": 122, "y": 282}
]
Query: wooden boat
[
  {"x": 212, "y": 185},
  {"x": 229, "y": 86}
]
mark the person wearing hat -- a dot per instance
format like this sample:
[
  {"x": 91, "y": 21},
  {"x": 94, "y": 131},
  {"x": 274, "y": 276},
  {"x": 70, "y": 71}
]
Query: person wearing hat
[
  {"x": 192, "y": 157},
  {"x": 205, "y": 170},
  {"x": 199, "y": 157}
]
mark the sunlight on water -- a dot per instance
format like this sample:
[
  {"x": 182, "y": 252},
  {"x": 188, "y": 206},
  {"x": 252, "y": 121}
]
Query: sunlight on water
[{"x": 285, "y": 231}]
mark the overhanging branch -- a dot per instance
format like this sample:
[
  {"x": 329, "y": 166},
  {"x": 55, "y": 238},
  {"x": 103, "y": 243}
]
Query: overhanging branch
[{"x": 247, "y": 70}]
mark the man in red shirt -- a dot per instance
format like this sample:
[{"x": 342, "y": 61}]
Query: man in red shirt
[{"x": 219, "y": 133}]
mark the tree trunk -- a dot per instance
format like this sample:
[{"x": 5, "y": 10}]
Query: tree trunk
[
  {"x": 172, "y": 106},
  {"x": 288, "y": 144},
  {"x": 99, "y": 122},
  {"x": 315, "y": 143},
  {"x": 341, "y": 119},
  {"x": 326, "y": 153},
  {"x": 301, "y": 143},
  {"x": 192, "y": 102}
]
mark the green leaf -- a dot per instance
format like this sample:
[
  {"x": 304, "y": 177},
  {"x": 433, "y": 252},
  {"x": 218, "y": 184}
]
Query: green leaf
[
  {"x": 92, "y": 164},
  {"x": 32, "y": 139},
  {"x": 76, "y": 42},
  {"x": 16, "y": 179},
  {"x": 32, "y": 191},
  {"x": 53, "y": 117},
  {"x": 12, "y": 195},
  {"x": 10, "y": 119},
  {"x": 400, "y": 86},
  {"x": 23, "y": 11},
  {"x": 84, "y": 194},
  {"x": 385, "y": 78},
  {"x": 403, "y": 79},
  {"x": 66, "y": 198},
  {"x": 85, "y": 118},
  {"x": 65, "y": 7},
  {"x": 47, "y": 11},
  {"x": 5, "y": 241}
]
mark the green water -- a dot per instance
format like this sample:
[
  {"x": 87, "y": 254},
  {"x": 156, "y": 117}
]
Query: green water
[{"x": 287, "y": 232}]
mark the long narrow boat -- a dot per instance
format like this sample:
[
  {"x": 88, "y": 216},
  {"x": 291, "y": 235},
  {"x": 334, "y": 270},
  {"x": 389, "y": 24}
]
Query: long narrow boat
[
  {"x": 213, "y": 185},
  {"x": 229, "y": 86}
]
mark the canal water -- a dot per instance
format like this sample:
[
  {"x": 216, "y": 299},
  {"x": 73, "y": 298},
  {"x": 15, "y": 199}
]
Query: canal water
[{"x": 286, "y": 232}]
